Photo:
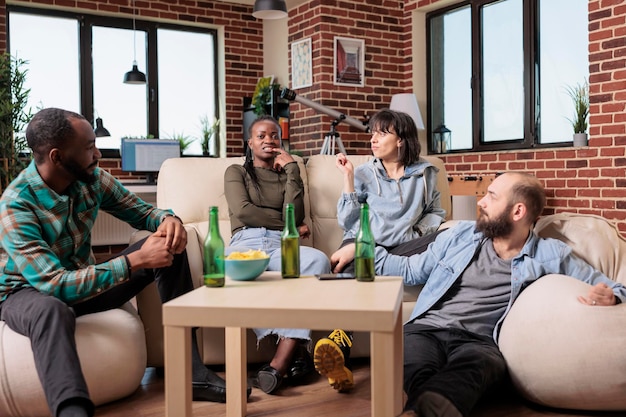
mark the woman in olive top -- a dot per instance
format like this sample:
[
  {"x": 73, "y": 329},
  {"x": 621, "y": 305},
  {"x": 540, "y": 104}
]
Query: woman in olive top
[{"x": 256, "y": 194}]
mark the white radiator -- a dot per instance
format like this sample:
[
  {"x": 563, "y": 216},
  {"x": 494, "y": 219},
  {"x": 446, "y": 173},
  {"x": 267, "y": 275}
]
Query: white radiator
[{"x": 110, "y": 231}]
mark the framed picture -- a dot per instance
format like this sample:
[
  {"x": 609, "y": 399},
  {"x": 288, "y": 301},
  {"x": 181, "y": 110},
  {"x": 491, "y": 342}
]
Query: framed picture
[
  {"x": 301, "y": 64},
  {"x": 349, "y": 61}
]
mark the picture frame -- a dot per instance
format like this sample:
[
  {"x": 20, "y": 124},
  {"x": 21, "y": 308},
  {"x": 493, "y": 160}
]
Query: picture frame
[
  {"x": 301, "y": 64},
  {"x": 349, "y": 61}
]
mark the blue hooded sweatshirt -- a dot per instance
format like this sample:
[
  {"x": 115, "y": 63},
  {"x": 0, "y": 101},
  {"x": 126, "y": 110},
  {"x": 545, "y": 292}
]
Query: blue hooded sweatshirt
[{"x": 400, "y": 210}]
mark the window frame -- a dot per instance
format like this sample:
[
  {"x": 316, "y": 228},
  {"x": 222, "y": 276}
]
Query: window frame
[
  {"x": 531, "y": 68},
  {"x": 86, "y": 22}
]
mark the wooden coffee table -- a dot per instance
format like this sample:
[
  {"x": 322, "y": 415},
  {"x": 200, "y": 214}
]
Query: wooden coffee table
[{"x": 272, "y": 302}]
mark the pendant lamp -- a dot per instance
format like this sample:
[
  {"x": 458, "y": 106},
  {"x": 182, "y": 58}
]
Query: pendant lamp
[
  {"x": 269, "y": 9},
  {"x": 134, "y": 76}
]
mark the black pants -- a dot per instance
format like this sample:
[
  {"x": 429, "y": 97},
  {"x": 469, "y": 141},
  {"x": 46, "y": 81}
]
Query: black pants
[
  {"x": 457, "y": 364},
  {"x": 49, "y": 324},
  {"x": 412, "y": 247}
]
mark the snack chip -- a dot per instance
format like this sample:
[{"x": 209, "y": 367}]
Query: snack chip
[{"x": 250, "y": 254}]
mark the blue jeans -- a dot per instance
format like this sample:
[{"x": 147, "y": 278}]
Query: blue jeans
[
  {"x": 312, "y": 261},
  {"x": 455, "y": 363}
]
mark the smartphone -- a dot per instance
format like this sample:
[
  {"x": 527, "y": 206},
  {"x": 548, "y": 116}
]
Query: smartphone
[{"x": 343, "y": 275}]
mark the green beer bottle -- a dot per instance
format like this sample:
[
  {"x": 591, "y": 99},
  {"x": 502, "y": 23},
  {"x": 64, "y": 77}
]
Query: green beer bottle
[
  {"x": 290, "y": 245},
  {"x": 213, "y": 253},
  {"x": 364, "y": 248}
]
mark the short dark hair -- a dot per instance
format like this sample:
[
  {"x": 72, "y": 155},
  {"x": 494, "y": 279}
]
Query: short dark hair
[
  {"x": 405, "y": 128},
  {"x": 50, "y": 128}
]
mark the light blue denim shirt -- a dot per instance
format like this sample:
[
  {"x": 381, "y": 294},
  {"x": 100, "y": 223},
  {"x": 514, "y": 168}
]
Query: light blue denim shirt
[{"x": 448, "y": 256}]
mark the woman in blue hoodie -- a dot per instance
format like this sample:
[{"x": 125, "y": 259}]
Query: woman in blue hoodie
[
  {"x": 405, "y": 213},
  {"x": 399, "y": 187}
]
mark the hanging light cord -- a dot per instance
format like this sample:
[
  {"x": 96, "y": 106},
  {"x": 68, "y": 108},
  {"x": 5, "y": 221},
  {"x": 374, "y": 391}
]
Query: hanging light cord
[{"x": 134, "y": 35}]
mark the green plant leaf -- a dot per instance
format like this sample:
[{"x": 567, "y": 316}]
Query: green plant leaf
[{"x": 579, "y": 93}]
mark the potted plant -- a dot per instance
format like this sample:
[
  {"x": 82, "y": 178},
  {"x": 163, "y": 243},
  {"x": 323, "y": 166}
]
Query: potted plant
[
  {"x": 13, "y": 118},
  {"x": 263, "y": 97},
  {"x": 579, "y": 94},
  {"x": 184, "y": 141},
  {"x": 209, "y": 130}
]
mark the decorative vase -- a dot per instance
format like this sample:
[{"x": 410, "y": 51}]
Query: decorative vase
[{"x": 580, "y": 139}]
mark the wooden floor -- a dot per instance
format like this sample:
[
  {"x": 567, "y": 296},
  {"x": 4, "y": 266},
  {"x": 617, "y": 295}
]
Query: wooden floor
[{"x": 313, "y": 400}]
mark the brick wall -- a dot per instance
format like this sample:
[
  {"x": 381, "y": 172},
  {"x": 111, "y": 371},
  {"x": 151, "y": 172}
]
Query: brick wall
[
  {"x": 583, "y": 180},
  {"x": 387, "y": 69}
]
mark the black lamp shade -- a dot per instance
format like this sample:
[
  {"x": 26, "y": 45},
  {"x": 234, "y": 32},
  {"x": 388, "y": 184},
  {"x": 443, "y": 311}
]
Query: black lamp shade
[
  {"x": 269, "y": 9},
  {"x": 100, "y": 130},
  {"x": 134, "y": 76}
]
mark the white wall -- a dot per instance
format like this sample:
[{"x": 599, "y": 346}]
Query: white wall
[{"x": 275, "y": 50}]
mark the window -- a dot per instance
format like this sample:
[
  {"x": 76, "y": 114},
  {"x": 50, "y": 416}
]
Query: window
[
  {"x": 77, "y": 62},
  {"x": 499, "y": 72}
]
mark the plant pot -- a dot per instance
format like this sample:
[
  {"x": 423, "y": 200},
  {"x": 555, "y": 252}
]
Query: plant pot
[{"x": 580, "y": 139}]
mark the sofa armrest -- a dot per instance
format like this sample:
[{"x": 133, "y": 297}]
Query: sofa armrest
[{"x": 149, "y": 303}]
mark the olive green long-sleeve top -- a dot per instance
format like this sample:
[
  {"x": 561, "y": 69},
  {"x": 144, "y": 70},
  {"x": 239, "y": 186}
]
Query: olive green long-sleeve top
[{"x": 249, "y": 207}]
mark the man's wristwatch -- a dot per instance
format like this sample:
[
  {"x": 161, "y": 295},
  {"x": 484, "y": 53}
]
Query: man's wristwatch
[{"x": 169, "y": 215}]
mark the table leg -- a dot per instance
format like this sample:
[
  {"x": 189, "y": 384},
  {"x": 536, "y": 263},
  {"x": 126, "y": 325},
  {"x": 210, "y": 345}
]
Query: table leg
[
  {"x": 236, "y": 372},
  {"x": 386, "y": 362},
  {"x": 177, "y": 371}
]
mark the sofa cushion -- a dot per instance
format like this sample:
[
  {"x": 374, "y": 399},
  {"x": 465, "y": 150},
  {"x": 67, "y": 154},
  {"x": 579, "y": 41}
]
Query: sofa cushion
[
  {"x": 592, "y": 238},
  {"x": 189, "y": 186},
  {"x": 325, "y": 186},
  {"x": 562, "y": 353}
]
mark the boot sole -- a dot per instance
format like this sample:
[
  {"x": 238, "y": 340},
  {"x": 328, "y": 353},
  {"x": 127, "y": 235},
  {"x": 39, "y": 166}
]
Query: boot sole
[{"x": 329, "y": 362}]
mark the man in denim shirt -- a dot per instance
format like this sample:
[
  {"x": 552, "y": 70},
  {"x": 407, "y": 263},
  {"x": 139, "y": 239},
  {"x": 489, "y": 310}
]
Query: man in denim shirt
[{"x": 472, "y": 274}]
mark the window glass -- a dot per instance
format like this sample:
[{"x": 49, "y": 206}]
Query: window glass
[
  {"x": 503, "y": 71},
  {"x": 522, "y": 55},
  {"x": 186, "y": 85},
  {"x": 451, "y": 58},
  {"x": 122, "y": 107},
  {"x": 54, "y": 44},
  {"x": 50, "y": 47},
  {"x": 563, "y": 35}
]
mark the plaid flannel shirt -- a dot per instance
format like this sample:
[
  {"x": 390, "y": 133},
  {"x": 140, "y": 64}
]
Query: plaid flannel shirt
[{"x": 47, "y": 236}]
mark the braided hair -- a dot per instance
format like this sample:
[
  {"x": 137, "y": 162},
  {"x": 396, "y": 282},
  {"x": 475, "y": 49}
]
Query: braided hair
[{"x": 248, "y": 163}]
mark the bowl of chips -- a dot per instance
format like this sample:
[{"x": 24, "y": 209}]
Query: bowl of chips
[{"x": 246, "y": 266}]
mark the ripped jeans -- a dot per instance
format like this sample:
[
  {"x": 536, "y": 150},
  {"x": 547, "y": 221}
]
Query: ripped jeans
[{"x": 312, "y": 261}]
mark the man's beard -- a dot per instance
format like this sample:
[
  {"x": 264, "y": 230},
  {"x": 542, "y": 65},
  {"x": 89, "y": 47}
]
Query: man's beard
[
  {"x": 80, "y": 173},
  {"x": 499, "y": 227}
]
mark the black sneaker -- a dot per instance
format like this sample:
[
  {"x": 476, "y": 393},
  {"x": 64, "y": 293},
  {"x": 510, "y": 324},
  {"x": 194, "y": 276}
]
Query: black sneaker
[{"x": 330, "y": 358}]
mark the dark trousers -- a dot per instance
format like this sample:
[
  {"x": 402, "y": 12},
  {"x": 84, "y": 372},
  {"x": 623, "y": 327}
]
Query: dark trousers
[
  {"x": 50, "y": 323},
  {"x": 455, "y": 363},
  {"x": 412, "y": 247}
]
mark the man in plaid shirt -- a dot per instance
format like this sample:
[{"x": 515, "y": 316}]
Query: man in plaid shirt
[{"x": 51, "y": 276}]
